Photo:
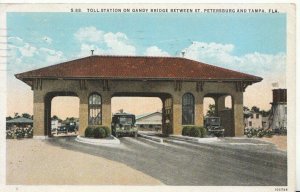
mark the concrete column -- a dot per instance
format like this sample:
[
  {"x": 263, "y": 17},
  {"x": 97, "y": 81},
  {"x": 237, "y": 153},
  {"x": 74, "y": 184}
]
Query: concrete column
[
  {"x": 177, "y": 114},
  {"x": 199, "y": 109},
  {"x": 106, "y": 109},
  {"x": 163, "y": 115},
  {"x": 238, "y": 114},
  {"x": 38, "y": 114},
  {"x": 83, "y": 114},
  {"x": 47, "y": 113},
  {"x": 220, "y": 104}
]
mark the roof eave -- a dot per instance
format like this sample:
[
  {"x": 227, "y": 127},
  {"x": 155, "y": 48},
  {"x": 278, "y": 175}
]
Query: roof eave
[{"x": 254, "y": 80}]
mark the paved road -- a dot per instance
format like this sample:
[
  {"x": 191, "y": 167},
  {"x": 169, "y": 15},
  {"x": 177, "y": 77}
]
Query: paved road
[{"x": 227, "y": 162}]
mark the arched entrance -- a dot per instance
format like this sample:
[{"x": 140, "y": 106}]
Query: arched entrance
[
  {"x": 165, "y": 107},
  {"x": 48, "y": 108},
  {"x": 222, "y": 108}
]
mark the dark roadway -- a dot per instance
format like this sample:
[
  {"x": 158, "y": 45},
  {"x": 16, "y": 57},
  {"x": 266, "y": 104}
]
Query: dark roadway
[{"x": 226, "y": 163}]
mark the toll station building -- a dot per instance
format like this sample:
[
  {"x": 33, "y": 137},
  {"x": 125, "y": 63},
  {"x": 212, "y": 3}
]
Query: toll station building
[{"x": 180, "y": 83}]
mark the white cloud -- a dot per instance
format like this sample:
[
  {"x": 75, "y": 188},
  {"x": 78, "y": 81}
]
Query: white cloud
[
  {"x": 51, "y": 56},
  {"x": 222, "y": 55},
  {"x": 155, "y": 51},
  {"x": 118, "y": 44},
  {"x": 17, "y": 44},
  {"x": 85, "y": 50},
  {"x": 271, "y": 67},
  {"x": 24, "y": 56},
  {"x": 27, "y": 50},
  {"x": 103, "y": 43},
  {"x": 89, "y": 34},
  {"x": 47, "y": 39},
  {"x": 16, "y": 41}
]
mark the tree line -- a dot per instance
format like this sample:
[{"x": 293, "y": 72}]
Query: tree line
[
  {"x": 212, "y": 110},
  {"x": 28, "y": 116}
]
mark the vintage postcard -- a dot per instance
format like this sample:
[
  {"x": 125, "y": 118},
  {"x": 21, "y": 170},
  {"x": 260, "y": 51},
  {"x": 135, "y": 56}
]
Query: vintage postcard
[{"x": 168, "y": 97}]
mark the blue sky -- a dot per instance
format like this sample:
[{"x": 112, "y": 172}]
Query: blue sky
[
  {"x": 250, "y": 43},
  {"x": 264, "y": 33}
]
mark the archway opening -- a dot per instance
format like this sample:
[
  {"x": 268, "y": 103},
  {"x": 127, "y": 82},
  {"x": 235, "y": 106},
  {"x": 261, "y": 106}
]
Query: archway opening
[
  {"x": 209, "y": 107},
  {"x": 228, "y": 102},
  {"x": 61, "y": 114},
  {"x": 64, "y": 116},
  {"x": 220, "y": 105},
  {"x": 147, "y": 111}
]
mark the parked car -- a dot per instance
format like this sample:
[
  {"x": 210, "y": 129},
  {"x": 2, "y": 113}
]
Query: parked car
[
  {"x": 213, "y": 126},
  {"x": 62, "y": 129},
  {"x": 71, "y": 127}
]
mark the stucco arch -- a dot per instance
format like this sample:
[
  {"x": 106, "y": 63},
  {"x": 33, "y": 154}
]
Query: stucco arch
[{"x": 47, "y": 109}]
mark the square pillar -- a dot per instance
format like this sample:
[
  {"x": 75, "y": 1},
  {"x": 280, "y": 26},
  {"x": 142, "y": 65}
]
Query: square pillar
[
  {"x": 163, "y": 115},
  {"x": 177, "y": 114},
  {"x": 83, "y": 116},
  {"x": 38, "y": 115},
  {"x": 199, "y": 110},
  {"x": 106, "y": 109},
  {"x": 238, "y": 115},
  {"x": 220, "y": 104}
]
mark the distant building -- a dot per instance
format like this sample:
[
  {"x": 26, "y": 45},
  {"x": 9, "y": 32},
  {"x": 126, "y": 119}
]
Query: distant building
[
  {"x": 265, "y": 122},
  {"x": 149, "y": 121},
  {"x": 55, "y": 123},
  {"x": 253, "y": 119},
  {"x": 20, "y": 122}
]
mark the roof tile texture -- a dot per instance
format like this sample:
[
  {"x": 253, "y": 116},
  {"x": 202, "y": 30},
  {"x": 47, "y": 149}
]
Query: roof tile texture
[{"x": 132, "y": 67}]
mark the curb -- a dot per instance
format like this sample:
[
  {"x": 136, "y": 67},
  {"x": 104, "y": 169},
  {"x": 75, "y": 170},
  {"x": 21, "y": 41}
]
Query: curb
[
  {"x": 41, "y": 137},
  {"x": 158, "y": 140},
  {"x": 91, "y": 141},
  {"x": 193, "y": 139}
]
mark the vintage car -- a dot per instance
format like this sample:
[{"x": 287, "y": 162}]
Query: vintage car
[
  {"x": 213, "y": 126},
  {"x": 71, "y": 127},
  {"x": 123, "y": 124},
  {"x": 62, "y": 129}
]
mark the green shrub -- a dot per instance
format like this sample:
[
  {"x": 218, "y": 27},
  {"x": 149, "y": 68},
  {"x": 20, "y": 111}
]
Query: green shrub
[
  {"x": 107, "y": 131},
  {"x": 89, "y": 132},
  {"x": 203, "y": 131},
  {"x": 253, "y": 132},
  {"x": 186, "y": 130},
  {"x": 195, "y": 132},
  {"x": 10, "y": 134},
  {"x": 19, "y": 133},
  {"x": 268, "y": 133},
  {"x": 99, "y": 132}
]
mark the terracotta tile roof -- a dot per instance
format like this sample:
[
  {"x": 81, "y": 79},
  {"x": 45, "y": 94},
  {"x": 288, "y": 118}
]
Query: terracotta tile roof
[{"x": 136, "y": 67}]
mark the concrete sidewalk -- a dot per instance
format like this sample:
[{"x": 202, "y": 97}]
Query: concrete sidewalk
[{"x": 34, "y": 162}]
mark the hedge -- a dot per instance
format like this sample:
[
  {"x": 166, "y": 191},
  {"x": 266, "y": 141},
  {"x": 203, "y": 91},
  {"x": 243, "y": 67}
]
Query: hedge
[
  {"x": 107, "y": 131},
  {"x": 186, "y": 131},
  {"x": 19, "y": 133},
  {"x": 97, "y": 132},
  {"x": 194, "y": 131},
  {"x": 89, "y": 132},
  {"x": 256, "y": 132}
]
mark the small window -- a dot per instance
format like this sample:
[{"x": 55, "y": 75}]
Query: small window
[
  {"x": 250, "y": 123},
  {"x": 257, "y": 115}
]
